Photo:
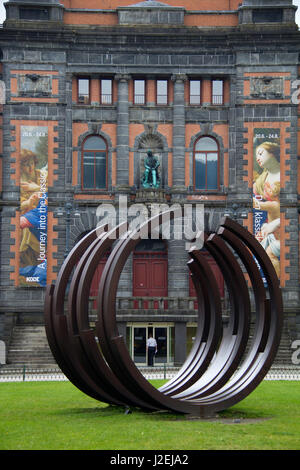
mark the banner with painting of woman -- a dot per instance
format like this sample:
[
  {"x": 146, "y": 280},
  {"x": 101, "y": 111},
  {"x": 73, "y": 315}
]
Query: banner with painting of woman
[
  {"x": 33, "y": 206},
  {"x": 266, "y": 192}
]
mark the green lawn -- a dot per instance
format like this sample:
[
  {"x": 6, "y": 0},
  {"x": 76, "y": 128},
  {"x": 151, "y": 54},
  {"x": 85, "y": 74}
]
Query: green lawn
[{"x": 56, "y": 415}]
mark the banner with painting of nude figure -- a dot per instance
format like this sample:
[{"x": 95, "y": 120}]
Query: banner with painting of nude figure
[
  {"x": 33, "y": 206},
  {"x": 266, "y": 192}
]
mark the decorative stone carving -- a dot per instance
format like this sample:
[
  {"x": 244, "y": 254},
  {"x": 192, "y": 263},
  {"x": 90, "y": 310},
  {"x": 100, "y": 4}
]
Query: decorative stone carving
[
  {"x": 122, "y": 77},
  {"x": 151, "y": 12},
  {"x": 34, "y": 85},
  {"x": 206, "y": 127},
  {"x": 266, "y": 87},
  {"x": 179, "y": 77},
  {"x": 95, "y": 127}
]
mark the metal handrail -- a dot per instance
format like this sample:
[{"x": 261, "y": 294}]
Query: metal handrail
[
  {"x": 217, "y": 99},
  {"x": 27, "y": 372}
]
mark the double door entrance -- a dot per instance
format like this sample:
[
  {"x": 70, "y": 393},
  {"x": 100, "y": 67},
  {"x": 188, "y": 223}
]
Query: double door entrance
[
  {"x": 150, "y": 276},
  {"x": 137, "y": 336}
]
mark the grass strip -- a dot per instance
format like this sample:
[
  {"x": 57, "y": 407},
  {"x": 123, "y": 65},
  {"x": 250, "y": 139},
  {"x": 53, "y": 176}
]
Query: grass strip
[{"x": 57, "y": 416}]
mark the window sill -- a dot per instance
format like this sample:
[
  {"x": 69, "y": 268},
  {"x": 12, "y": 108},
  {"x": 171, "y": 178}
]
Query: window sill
[
  {"x": 150, "y": 106},
  {"x": 208, "y": 105},
  {"x": 214, "y": 192},
  {"x": 93, "y": 105},
  {"x": 89, "y": 192}
]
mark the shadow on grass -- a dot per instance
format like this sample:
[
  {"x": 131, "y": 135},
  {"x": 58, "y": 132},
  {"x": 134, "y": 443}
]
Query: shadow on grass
[
  {"x": 227, "y": 416},
  {"x": 118, "y": 412},
  {"x": 110, "y": 410}
]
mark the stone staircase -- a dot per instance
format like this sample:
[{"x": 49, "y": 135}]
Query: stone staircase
[
  {"x": 285, "y": 351},
  {"x": 29, "y": 345}
]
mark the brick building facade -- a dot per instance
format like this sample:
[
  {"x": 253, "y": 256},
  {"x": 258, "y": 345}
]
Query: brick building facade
[{"x": 90, "y": 89}]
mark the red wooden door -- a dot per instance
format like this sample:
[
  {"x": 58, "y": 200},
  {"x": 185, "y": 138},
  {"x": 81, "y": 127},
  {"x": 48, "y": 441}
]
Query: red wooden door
[
  {"x": 217, "y": 273},
  {"x": 150, "y": 276},
  {"x": 96, "y": 279}
]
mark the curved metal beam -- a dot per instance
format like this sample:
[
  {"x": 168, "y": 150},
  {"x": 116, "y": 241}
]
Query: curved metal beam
[{"x": 213, "y": 377}]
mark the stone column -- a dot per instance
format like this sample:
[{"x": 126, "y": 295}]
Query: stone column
[
  {"x": 68, "y": 132},
  {"x": 2, "y": 352},
  {"x": 234, "y": 140},
  {"x": 122, "y": 131},
  {"x": 180, "y": 343},
  {"x": 179, "y": 132}
]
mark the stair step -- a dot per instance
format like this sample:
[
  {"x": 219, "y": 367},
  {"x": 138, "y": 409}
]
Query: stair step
[{"x": 29, "y": 345}]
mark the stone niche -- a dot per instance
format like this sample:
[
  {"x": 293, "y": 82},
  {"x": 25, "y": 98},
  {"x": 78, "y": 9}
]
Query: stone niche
[
  {"x": 151, "y": 142},
  {"x": 152, "y": 13}
]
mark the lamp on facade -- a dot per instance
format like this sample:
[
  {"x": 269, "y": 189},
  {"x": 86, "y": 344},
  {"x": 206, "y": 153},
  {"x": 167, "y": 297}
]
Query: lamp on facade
[
  {"x": 68, "y": 211},
  {"x": 235, "y": 211}
]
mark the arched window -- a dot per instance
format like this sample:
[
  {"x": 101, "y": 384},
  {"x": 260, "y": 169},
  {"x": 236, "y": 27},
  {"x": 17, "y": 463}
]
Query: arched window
[
  {"x": 94, "y": 163},
  {"x": 206, "y": 164}
]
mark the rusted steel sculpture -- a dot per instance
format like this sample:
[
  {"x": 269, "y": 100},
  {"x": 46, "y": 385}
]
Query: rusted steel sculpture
[{"x": 218, "y": 372}]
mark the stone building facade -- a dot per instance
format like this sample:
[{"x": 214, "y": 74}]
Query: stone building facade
[{"x": 90, "y": 89}]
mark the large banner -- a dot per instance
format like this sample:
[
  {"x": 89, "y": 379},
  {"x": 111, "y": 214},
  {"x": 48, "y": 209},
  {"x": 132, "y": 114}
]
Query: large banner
[
  {"x": 266, "y": 192},
  {"x": 33, "y": 206}
]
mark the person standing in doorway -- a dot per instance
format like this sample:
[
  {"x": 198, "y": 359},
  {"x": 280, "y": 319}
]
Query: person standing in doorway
[{"x": 152, "y": 349}]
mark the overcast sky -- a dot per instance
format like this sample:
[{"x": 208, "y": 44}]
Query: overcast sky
[{"x": 2, "y": 11}]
